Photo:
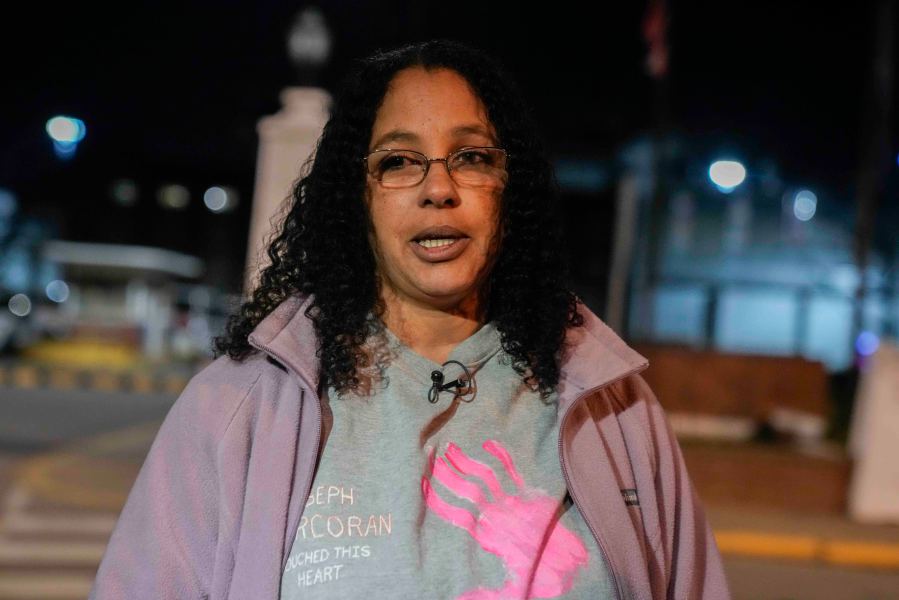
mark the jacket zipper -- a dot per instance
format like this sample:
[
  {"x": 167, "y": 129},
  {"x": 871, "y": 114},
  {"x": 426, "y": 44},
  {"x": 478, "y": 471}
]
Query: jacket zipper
[
  {"x": 304, "y": 388},
  {"x": 318, "y": 434},
  {"x": 602, "y": 547}
]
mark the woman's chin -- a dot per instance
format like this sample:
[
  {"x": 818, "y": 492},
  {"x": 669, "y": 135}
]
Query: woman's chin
[
  {"x": 444, "y": 295},
  {"x": 442, "y": 287}
]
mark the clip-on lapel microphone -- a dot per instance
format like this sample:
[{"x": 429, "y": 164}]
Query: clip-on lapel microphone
[{"x": 438, "y": 385}]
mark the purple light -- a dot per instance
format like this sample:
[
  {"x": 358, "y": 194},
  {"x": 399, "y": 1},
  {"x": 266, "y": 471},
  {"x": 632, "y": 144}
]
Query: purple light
[{"x": 866, "y": 343}]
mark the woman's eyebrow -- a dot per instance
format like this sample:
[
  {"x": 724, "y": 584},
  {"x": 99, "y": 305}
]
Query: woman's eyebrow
[
  {"x": 404, "y": 135},
  {"x": 474, "y": 128},
  {"x": 394, "y": 135}
]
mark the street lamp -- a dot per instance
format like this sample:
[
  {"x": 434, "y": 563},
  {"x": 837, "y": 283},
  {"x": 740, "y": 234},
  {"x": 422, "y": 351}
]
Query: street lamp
[
  {"x": 65, "y": 132},
  {"x": 727, "y": 174}
]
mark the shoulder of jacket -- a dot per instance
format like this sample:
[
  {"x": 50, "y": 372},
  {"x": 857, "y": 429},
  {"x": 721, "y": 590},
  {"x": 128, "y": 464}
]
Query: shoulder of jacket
[
  {"x": 633, "y": 401},
  {"x": 629, "y": 396},
  {"x": 215, "y": 393}
]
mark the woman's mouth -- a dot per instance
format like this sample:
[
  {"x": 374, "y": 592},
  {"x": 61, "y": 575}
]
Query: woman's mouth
[{"x": 439, "y": 250}]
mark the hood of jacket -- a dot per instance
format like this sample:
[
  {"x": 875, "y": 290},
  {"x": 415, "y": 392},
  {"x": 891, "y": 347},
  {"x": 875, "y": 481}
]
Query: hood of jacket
[{"x": 596, "y": 356}]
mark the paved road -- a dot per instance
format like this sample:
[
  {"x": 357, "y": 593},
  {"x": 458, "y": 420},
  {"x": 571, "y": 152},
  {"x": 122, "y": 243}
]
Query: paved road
[
  {"x": 40, "y": 418},
  {"x": 759, "y": 579}
]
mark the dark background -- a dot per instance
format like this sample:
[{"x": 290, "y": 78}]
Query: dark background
[{"x": 171, "y": 92}]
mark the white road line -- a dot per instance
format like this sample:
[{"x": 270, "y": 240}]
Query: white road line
[
  {"x": 45, "y": 587},
  {"x": 64, "y": 524},
  {"x": 55, "y": 553}
]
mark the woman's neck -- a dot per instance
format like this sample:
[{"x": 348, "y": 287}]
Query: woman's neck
[{"x": 430, "y": 331}]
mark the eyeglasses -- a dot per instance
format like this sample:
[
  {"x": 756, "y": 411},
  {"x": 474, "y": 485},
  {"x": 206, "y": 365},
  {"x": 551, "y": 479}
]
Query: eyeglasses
[{"x": 469, "y": 166}]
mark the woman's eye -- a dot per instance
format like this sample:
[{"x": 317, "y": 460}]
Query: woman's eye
[
  {"x": 472, "y": 157},
  {"x": 396, "y": 161},
  {"x": 391, "y": 162}
]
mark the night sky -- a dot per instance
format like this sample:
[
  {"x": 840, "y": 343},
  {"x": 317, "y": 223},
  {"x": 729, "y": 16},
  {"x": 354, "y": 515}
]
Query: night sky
[{"x": 172, "y": 91}]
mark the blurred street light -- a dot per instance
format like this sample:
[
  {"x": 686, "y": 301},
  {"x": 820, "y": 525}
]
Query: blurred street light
[
  {"x": 124, "y": 192},
  {"x": 866, "y": 343},
  {"x": 57, "y": 290},
  {"x": 19, "y": 305},
  {"x": 173, "y": 196},
  {"x": 804, "y": 204},
  {"x": 727, "y": 174},
  {"x": 220, "y": 199},
  {"x": 66, "y": 133}
]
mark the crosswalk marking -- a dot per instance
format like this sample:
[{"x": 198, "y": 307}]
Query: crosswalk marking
[
  {"x": 51, "y": 553},
  {"x": 42, "y": 587}
]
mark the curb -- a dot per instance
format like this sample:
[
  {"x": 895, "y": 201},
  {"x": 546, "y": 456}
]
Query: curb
[
  {"x": 839, "y": 552},
  {"x": 67, "y": 378}
]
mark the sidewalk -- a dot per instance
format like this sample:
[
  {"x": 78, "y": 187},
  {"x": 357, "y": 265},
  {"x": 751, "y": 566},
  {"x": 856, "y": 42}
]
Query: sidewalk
[
  {"x": 780, "y": 501},
  {"x": 817, "y": 538}
]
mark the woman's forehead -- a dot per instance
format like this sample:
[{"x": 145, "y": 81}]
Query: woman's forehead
[
  {"x": 423, "y": 104},
  {"x": 401, "y": 135}
]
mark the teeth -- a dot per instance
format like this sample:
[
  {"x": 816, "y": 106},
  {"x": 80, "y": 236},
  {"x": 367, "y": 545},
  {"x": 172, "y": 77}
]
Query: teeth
[{"x": 436, "y": 243}]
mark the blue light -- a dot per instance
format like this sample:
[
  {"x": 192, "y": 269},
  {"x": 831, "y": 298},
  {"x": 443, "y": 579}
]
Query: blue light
[
  {"x": 64, "y": 149},
  {"x": 57, "y": 290},
  {"x": 727, "y": 174},
  {"x": 65, "y": 132},
  {"x": 866, "y": 343},
  {"x": 66, "y": 129},
  {"x": 804, "y": 205}
]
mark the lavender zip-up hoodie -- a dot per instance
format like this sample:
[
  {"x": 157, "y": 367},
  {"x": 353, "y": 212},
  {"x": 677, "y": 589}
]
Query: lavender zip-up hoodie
[{"x": 217, "y": 502}]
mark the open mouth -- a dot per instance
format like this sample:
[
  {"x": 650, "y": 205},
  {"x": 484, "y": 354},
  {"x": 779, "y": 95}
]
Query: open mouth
[
  {"x": 439, "y": 233},
  {"x": 439, "y": 249},
  {"x": 437, "y": 242}
]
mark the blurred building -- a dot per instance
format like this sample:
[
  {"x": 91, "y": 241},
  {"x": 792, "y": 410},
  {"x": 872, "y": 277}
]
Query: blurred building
[{"x": 764, "y": 268}]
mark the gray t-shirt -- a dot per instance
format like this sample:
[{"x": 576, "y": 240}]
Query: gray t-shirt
[{"x": 463, "y": 498}]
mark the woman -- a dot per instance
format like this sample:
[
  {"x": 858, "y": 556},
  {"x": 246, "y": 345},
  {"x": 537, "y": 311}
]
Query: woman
[{"x": 412, "y": 405}]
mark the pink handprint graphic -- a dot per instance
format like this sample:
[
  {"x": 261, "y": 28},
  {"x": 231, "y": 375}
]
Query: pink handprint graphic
[{"x": 511, "y": 526}]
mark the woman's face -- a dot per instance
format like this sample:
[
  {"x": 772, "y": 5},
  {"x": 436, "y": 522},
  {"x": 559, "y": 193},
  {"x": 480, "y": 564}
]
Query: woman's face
[{"x": 436, "y": 113}]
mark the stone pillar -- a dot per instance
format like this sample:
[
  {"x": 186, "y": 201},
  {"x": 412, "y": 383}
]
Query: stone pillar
[
  {"x": 286, "y": 140},
  {"x": 874, "y": 440}
]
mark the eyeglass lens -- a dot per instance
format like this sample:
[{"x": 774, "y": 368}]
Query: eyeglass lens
[{"x": 470, "y": 166}]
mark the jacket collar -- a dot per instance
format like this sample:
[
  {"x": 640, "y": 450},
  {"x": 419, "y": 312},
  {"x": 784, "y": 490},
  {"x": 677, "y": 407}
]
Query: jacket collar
[{"x": 596, "y": 355}]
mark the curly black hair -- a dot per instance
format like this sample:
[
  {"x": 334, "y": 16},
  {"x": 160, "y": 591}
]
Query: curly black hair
[{"x": 525, "y": 293}]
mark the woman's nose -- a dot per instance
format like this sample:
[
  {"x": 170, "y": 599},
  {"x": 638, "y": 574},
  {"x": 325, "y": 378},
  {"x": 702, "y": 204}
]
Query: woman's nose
[{"x": 438, "y": 187}]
